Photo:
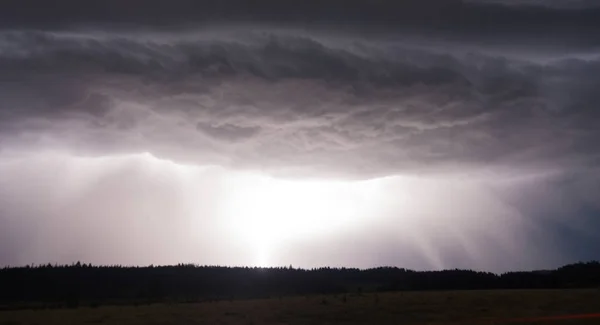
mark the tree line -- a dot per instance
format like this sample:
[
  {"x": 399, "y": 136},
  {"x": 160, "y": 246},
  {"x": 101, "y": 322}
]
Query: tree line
[{"x": 87, "y": 285}]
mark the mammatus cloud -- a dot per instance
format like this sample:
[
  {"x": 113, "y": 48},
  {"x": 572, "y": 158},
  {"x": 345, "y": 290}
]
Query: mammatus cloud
[{"x": 130, "y": 143}]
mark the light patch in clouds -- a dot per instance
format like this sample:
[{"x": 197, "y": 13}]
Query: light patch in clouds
[
  {"x": 138, "y": 209},
  {"x": 268, "y": 213}
]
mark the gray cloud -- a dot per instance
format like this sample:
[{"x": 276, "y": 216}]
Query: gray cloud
[{"x": 362, "y": 107}]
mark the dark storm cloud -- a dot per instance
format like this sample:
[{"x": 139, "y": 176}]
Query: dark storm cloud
[{"x": 285, "y": 98}]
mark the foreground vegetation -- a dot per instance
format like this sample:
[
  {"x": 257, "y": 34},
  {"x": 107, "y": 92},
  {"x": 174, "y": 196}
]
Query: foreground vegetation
[
  {"x": 407, "y": 308},
  {"x": 189, "y": 294},
  {"x": 81, "y": 285}
]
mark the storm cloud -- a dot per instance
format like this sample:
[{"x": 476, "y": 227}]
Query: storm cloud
[
  {"x": 375, "y": 107},
  {"x": 496, "y": 101}
]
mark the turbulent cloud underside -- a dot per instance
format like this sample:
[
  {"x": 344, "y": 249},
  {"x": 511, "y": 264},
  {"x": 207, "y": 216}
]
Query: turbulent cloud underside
[{"x": 283, "y": 101}]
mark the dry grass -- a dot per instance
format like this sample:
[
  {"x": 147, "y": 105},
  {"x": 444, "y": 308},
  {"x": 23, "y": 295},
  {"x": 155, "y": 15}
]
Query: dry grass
[{"x": 472, "y": 307}]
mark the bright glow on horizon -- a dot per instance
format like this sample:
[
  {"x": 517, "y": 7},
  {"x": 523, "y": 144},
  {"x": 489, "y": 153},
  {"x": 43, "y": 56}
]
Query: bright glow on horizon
[
  {"x": 258, "y": 212},
  {"x": 267, "y": 212},
  {"x": 140, "y": 209}
]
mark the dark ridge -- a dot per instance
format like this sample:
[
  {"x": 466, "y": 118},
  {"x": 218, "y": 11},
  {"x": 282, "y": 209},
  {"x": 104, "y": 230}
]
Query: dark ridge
[{"x": 47, "y": 286}]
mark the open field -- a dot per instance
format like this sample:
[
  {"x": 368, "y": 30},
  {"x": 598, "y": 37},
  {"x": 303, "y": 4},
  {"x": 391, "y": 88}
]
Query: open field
[{"x": 407, "y": 308}]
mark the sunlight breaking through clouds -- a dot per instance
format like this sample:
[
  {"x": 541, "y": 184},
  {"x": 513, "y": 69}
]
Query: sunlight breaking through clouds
[
  {"x": 268, "y": 213},
  {"x": 169, "y": 212}
]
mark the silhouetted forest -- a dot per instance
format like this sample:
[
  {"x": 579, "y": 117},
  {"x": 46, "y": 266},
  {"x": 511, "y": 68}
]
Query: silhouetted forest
[{"x": 49, "y": 286}]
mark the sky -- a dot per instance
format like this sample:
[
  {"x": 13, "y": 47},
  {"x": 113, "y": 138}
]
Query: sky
[{"x": 419, "y": 134}]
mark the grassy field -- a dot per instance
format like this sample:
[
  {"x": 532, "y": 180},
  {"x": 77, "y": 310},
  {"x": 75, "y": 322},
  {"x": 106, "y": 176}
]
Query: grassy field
[{"x": 406, "y": 308}]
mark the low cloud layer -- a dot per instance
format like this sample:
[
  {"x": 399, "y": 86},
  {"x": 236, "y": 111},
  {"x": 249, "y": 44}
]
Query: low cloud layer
[
  {"x": 499, "y": 118},
  {"x": 286, "y": 101}
]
